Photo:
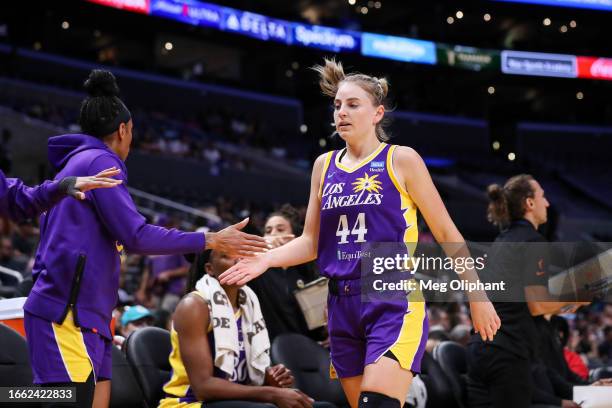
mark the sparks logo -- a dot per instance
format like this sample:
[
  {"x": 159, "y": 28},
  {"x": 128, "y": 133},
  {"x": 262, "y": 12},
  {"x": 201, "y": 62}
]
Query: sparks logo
[{"x": 367, "y": 183}]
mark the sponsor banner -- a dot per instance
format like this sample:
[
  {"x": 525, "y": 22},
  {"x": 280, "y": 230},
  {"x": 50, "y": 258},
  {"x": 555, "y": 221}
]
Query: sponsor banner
[
  {"x": 325, "y": 38},
  {"x": 539, "y": 64},
  {"x": 256, "y": 25},
  {"x": 472, "y": 58},
  {"x": 398, "y": 48},
  {"x": 595, "y": 68},
  {"x": 138, "y": 6},
  {"x": 588, "y": 4},
  {"x": 191, "y": 12}
]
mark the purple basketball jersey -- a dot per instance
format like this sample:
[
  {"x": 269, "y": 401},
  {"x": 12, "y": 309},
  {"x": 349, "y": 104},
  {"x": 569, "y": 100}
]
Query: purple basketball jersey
[{"x": 358, "y": 205}]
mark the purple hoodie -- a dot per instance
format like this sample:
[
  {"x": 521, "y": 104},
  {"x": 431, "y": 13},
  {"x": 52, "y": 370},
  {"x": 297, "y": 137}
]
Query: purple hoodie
[
  {"x": 20, "y": 202},
  {"x": 77, "y": 262}
]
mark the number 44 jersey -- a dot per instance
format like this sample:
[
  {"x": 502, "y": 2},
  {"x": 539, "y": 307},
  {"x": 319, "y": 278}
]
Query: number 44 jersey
[{"x": 362, "y": 204}]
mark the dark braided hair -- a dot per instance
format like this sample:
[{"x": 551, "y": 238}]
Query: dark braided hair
[{"x": 102, "y": 111}]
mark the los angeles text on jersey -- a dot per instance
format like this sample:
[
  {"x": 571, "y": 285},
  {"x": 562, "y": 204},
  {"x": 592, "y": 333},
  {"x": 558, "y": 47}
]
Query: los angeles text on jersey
[{"x": 333, "y": 197}]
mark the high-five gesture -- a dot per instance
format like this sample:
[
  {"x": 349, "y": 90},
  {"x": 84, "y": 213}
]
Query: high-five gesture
[{"x": 234, "y": 242}]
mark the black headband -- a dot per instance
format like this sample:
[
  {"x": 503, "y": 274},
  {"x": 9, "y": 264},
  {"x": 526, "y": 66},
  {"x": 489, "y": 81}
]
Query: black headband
[{"x": 123, "y": 116}]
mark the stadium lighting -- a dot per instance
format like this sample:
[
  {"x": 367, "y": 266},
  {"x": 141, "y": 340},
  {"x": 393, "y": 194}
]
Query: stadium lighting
[
  {"x": 377, "y": 4},
  {"x": 459, "y": 14},
  {"x": 450, "y": 20},
  {"x": 65, "y": 25},
  {"x": 579, "y": 95},
  {"x": 364, "y": 10},
  {"x": 491, "y": 90},
  {"x": 168, "y": 46},
  {"x": 572, "y": 24},
  {"x": 322, "y": 142},
  {"x": 563, "y": 28},
  {"x": 352, "y": 2},
  {"x": 487, "y": 17},
  {"x": 547, "y": 22},
  {"x": 303, "y": 128},
  {"x": 511, "y": 156},
  {"x": 496, "y": 145},
  {"x": 295, "y": 65}
]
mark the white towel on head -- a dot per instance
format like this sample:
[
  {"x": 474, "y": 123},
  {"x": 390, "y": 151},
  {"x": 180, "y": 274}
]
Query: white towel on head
[{"x": 225, "y": 330}]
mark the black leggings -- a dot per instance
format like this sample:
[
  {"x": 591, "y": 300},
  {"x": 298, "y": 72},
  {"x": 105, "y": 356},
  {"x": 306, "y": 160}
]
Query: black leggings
[
  {"x": 84, "y": 394},
  {"x": 497, "y": 378}
]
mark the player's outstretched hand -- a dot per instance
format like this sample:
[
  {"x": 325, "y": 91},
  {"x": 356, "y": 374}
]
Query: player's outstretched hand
[
  {"x": 77, "y": 186},
  {"x": 236, "y": 243},
  {"x": 245, "y": 271},
  {"x": 484, "y": 319}
]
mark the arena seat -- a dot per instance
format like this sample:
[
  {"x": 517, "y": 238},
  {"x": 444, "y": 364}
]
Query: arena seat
[
  {"x": 600, "y": 373},
  {"x": 310, "y": 367},
  {"x": 147, "y": 352},
  {"x": 15, "y": 370},
  {"x": 452, "y": 358},
  {"x": 125, "y": 391},
  {"x": 439, "y": 390}
]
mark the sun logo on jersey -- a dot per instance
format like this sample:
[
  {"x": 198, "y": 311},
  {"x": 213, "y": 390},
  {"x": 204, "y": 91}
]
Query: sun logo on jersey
[{"x": 367, "y": 183}]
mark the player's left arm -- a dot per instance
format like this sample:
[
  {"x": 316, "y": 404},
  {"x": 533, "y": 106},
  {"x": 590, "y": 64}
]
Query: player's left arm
[{"x": 414, "y": 176}]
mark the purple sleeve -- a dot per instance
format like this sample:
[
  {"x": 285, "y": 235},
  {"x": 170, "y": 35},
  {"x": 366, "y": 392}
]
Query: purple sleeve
[
  {"x": 120, "y": 216},
  {"x": 19, "y": 202}
]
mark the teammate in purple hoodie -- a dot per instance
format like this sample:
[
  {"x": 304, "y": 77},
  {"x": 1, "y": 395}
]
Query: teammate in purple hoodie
[{"x": 76, "y": 273}]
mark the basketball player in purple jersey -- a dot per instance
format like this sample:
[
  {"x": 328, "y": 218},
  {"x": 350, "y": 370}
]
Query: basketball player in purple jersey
[{"x": 361, "y": 194}]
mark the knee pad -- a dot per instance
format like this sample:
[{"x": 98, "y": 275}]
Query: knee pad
[{"x": 368, "y": 399}]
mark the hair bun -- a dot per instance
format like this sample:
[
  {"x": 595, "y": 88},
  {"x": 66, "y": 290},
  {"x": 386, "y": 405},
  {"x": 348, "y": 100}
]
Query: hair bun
[
  {"x": 495, "y": 192},
  {"x": 101, "y": 83}
]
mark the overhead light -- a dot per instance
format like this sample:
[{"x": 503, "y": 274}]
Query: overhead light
[
  {"x": 303, "y": 128},
  {"x": 459, "y": 14},
  {"x": 37, "y": 45},
  {"x": 579, "y": 95},
  {"x": 496, "y": 145},
  {"x": 352, "y": 2},
  {"x": 364, "y": 10},
  {"x": 450, "y": 20},
  {"x": 563, "y": 28},
  {"x": 168, "y": 46},
  {"x": 322, "y": 142},
  {"x": 295, "y": 65},
  {"x": 491, "y": 90},
  {"x": 65, "y": 25},
  {"x": 289, "y": 73},
  {"x": 573, "y": 24},
  {"x": 547, "y": 22},
  {"x": 487, "y": 17},
  {"x": 370, "y": 4},
  {"x": 511, "y": 156},
  {"x": 377, "y": 4}
]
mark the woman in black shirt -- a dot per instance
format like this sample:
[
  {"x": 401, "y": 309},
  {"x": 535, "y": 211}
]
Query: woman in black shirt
[
  {"x": 275, "y": 289},
  {"x": 500, "y": 373}
]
